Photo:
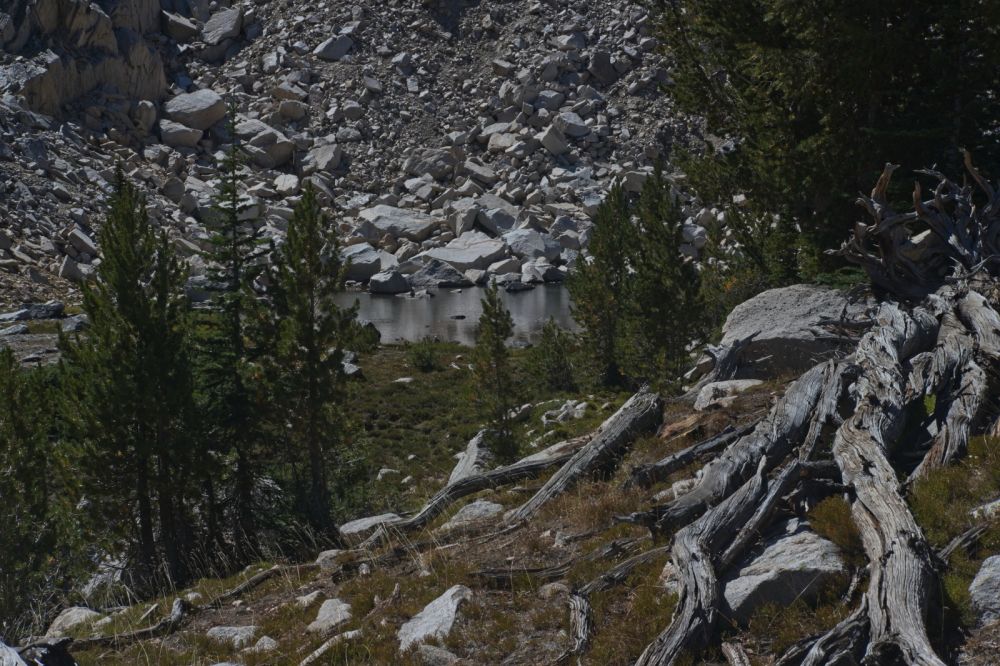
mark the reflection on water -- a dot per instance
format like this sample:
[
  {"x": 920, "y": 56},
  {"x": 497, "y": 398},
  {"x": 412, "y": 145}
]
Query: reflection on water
[{"x": 452, "y": 316}]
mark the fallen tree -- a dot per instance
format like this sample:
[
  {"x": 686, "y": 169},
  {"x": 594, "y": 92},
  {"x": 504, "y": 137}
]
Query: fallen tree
[{"x": 936, "y": 333}]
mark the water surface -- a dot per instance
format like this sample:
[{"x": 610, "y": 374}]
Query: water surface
[{"x": 452, "y": 315}]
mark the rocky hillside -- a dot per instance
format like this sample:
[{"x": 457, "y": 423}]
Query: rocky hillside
[
  {"x": 449, "y": 140},
  {"x": 553, "y": 559}
]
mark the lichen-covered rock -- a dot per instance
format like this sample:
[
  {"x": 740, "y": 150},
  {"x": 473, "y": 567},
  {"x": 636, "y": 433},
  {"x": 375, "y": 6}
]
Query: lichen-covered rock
[
  {"x": 793, "y": 563},
  {"x": 984, "y": 592},
  {"x": 435, "y": 620},
  {"x": 786, "y": 322},
  {"x": 71, "y": 618},
  {"x": 331, "y": 615}
]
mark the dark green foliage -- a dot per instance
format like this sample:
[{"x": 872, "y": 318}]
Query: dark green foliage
[
  {"x": 40, "y": 543},
  {"x": 551, "y": 359},
  {"x": 232, "y": 399},
  {"x": 310, "y": 385},
  {"x": 493, "y": 383},
  {"x": 131, "y": 383},
  {"x": 637, "y": 298},
  {"x": 817, "y": 96},
  {"x": 600, "y": 286},
  {"x": 423, "y": 355}
]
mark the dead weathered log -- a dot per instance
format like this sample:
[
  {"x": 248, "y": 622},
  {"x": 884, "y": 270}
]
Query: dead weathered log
[
  {"x": 725, "y": 364},
  {"x": 901, "y": 581},
  {"x": 645, "y": 476},
  {"x": 528, "y": 468},
  {"x": 642, "y": 413},
  {"x": 179, "y": 612},
  {"x": 580, "y": 614},
  {"x": 505, "y": 577},
  {"x": 695, "y": 618},
  {"x": 735, "y": 654},
  {"x": 843, "y": 644},
  {"x": 771, "y": 440}
]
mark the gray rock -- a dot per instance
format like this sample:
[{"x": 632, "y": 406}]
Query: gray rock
[
  {"x": 435, "y": 620},
  {"x": 9, "y": 656},
  {"x": 328, "y": 558},
  {"x": 16, "y": 329},
  {"x": 238, "y": 637},
  {"x": 265, "y": 644},
  {"x": 470, "y": 250},
  {"x": 438, "y": 162},
  {"x": 432, "y": 655},
  {"x": 602, "y": 69},
  {"x": 553, "y": 140},
  {"x": 399, "y": 222},
  {"x": 331, "y": 615},
  {"x": 365, "y": 261},
  {"x": 530, "y": 244},
  {"x": 721, "y": 392},
  {"x": 82, "y": 242},
  {"x": 223, "y": 25},
  {"x": 786, "y": 321},
  {"x": 176, "y": 135},
  {"x": 388, "y": 282},
  {"x": 334, "y": 49},
  {"x": 496, "y": 220},
  {"x": 571, "y": 124},
  {"x": 984, "y": 592},
  {"x": 323, "y": 158},
  {"x": 199, "y": 110},
  {"x": 70, "y": 618},
  {"x": 178, "y": 27},
  {"x": 794, "y": 563},
  {"x": 472, "y": 513},
  {"x": 437, "y": 274}
]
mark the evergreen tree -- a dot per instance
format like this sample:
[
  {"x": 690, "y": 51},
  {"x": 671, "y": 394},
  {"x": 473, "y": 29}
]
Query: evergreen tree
[
  {"x": 232, "y": 399},
  {"x": 816, "y": 96},
  {"x": 551, "y": 358},
  {"x": 664, "y": 313},
  {"x": 311, "y": 330},
  {"x": 493, "y": 375},
  {"x": 40, "y": 543},
  {"x": 600, "y": 285},
  {"x": 637, "y": 297},
  {"x": 131, "y": 381}
]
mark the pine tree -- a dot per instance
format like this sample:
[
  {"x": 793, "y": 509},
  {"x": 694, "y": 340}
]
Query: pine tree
[
  {"x": 40, "y": 543},
  {"x": 311, "y": 331},
  {"x": 131, "y": 380},
  {"x": 600, "y": 285},
  {"x": 493, "y": 375},
  {"x": 663, "y": 313},
  {"x": 232, "y": 400},
  {"x": 551, "y": 358},
  {"x": 817, "y": 96}
]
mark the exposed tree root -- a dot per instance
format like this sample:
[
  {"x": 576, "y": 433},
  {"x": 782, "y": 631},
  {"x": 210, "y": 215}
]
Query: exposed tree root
[
  {"x": 645, "y": 476},
  {"x": 642, "y": 413}
]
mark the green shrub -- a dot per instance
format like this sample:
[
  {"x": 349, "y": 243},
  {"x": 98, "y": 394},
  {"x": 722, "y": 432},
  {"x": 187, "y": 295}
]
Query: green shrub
[
  {"x": 832, "y": 519},
  {"x": 550, "y": 361},
  {"x": 424, "y": 356}
]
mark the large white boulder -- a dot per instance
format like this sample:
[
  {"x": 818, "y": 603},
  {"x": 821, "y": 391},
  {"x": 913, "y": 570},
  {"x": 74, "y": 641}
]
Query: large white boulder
[
  {"x": 984, "y": 592},
  {"x": 789, "y": 338},
  {"x": 70, "y": 618},
  {"x": 470, "y": 250},
  {"x": 435, "y": 620},
  {"x": 238, "y": 637},
  {"x": 331, "y": 615},
  {"x": 793, "y": 563},
  {"x": 530, "y": 244},
  {"x": 399, "y": 222},
  {"x": 198, "y": 110}
]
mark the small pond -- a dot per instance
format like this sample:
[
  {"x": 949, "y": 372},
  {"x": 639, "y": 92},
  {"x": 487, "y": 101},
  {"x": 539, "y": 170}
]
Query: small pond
[{"x": 451, "y": 315}]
